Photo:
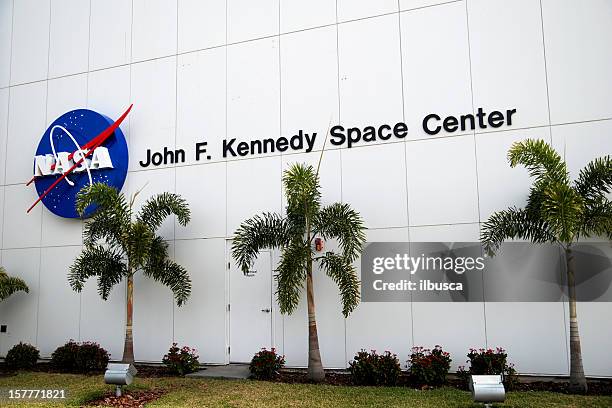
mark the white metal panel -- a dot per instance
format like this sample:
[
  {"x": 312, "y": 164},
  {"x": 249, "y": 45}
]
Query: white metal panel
[
  {"x": 30, "y": 45},
  {"x": 499, "y": 185},
  {"x": 309, "y": 83},
  {"x": 108, "y": 92},
  {"x": 382, "y": 169},
  {"x": 529, "y": 353},
  {"x": 508, "y": 60},
  {"x": 201, "y": 24},
  {"x": 154, "y": 29},
  {"x": 69, "y": 37},
  {"x": 201, "y": 322},
  {"x": 27, "y": 123},
  {"x": 207, "y": 202},
  {"x": 442, "y": 181},
  {"x": 435, "y": 66},
  {"x": 20, "y": 311},
  {"x": 152, "y": 183},
  {"x": 201, "y": 104},
  {"x": 21, "y": 229},
  {"x": 58, "y": 322},
  {"x": 110, "y": 44},
  {"x": 253, "y": 186},
  {"x": 370, "y": 87},
  {"x": 303, "y": 14},
  {"x": 354, "y": 9},
  {"x": 579, "y": 59},
  {"x": 250, "y": 308},
  {"x": 251, "y": 19},
  {"x": 253, "y": 97},
  {"x": 103, "y": 321},
  {"x": 4, "y": 105},
  {"x": 6, "y": 28},
  {"x": 153, "y": 120},
  {"x": 153, "y": 317}
]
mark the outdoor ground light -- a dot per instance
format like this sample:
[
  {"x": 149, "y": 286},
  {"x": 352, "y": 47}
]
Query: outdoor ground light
[
  {"x": 119, "y": 375},
  {"x": 487, "y": 389}
]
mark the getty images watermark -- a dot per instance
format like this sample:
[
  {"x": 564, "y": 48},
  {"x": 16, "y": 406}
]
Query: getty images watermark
[{"x": 460, "y": 272}]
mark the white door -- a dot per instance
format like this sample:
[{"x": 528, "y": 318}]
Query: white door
[{"x": 250, "y": 311}]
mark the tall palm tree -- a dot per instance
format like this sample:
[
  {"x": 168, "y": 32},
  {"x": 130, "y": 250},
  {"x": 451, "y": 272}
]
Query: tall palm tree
[
  {"x": 294, "y": 234},
  {"x": 10, "y": 285},
  {"x": 558, "y": 211},
  {"x": 119, "y": 243}
]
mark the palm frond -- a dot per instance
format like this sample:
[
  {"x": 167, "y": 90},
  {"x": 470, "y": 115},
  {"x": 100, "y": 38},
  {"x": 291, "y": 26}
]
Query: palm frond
[
  {"x": 139, "y": 244},
  {"x": 104, "y": 263},
  {"x": 106, "y": 197},
  {"x": 290, "y": 275},
  {"x": 302, "y": 189},
  {"x": 342, "y": 272},
  {"x": 10, "y": 285},
  {"x": 540, "y": 159},
  {"x": 597, "y": 219},
  {"x": 595, "y": 179},
  {"x": 105, "y": 227},
  {"x": 510, "y": 224},
  {"x": 340, "y": 221},
  {"x": 562, "y": 210},
  {"x": 267, "y": 230},
  {"x": 173, "y": 275},
  {"x": 158, "y": 208}
]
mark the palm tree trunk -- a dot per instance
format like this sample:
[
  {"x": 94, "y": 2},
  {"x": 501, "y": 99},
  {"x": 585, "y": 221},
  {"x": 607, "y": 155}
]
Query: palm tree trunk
[
  {"x": 578, "y": 382},
  {"x": 128, "y": 346},
  {"x": 315, "y": 366}
]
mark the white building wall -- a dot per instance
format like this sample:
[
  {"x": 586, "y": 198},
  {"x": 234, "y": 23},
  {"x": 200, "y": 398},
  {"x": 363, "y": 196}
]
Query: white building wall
[{"x": 251, "y": 69}]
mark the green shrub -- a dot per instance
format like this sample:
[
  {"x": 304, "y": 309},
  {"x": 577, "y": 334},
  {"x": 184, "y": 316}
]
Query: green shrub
[
  {"x": 181, "y": 361},
  {"x": 489, "y": 362},
  {"x": 64, "y": 357},
  {"x": 91, "y": 357},
  {"x": 375, "y": 369},
  {"x": 80, "y": 358},
  {"x": 429, "y": 366},
  {"x": 21, "y": 356},
  {"x": 266, "y": 364}
]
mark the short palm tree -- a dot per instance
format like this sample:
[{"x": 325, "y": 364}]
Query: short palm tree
[
  {"x": 10, "y": 285},
  {"x": 118, "y": 244},
  {"x": 557, "y": 211},
  {"x": 294, "y": 234}
]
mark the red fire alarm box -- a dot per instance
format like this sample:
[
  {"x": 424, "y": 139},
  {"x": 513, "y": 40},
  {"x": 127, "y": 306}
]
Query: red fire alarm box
[{"x": 319, "y": 244}]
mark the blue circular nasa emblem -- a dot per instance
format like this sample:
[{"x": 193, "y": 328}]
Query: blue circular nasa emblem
[{"x": 79, "y": 148}]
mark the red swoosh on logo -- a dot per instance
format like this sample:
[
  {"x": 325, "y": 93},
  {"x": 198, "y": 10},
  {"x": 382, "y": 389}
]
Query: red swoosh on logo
[{"x": 90, "y": 146}]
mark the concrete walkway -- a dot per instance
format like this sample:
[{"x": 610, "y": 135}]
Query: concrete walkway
[{"x": 227, "y": 372}]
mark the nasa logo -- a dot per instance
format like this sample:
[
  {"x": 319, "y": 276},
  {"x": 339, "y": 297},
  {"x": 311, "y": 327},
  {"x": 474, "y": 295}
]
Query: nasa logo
[{"x": 79, "y": 148}]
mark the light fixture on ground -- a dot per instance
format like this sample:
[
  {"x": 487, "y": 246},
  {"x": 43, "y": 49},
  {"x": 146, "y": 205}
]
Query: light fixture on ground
[
  {"x": 487, "y": 389},
  {"x": 119, "y": 375}
]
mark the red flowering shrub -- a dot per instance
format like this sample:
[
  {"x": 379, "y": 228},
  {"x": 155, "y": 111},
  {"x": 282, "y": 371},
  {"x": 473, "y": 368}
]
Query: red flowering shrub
[
  {"x": 489, "y": 362},
  {"x": 80, "y": 357},
  {"x": 181, "y": 361},
  {"x": 375, "y": 369},
  {"x": 429, "y": 366},
  {"x": 266, "y": 364}
]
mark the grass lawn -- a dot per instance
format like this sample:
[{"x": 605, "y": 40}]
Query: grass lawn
[{"x": 183, "y": 392}]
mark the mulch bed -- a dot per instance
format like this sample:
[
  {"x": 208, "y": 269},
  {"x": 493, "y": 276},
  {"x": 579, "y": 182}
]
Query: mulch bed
[
  {"x": 135, "y": 399},
  {"x": 338, "y": 378},
  {"x": 144, "y": 371},
  {"x": 596, "y": 387}
]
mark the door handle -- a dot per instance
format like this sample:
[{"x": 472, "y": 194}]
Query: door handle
[{"x": 265, "y": 310}]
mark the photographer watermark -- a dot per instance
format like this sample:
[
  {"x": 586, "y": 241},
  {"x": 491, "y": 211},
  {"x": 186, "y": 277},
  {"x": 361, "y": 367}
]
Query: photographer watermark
[{"x": 460, "y": 272}]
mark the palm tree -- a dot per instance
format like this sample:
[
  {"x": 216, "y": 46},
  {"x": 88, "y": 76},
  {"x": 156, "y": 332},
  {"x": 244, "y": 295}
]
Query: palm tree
[
  {"x": 119, "y": 244},
  {"x": 10, "y": 285},
  {"x": 293, "y": 234},
  {"x": 557, "y": 211}
]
